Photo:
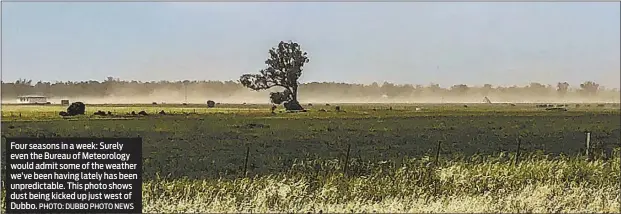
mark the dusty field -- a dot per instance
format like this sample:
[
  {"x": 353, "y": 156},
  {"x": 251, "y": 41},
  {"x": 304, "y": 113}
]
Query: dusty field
[{"x": 194, "y": 156}]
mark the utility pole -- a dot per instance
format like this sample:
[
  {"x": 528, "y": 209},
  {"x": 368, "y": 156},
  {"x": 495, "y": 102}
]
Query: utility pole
[{"x": 186, "y": 92}]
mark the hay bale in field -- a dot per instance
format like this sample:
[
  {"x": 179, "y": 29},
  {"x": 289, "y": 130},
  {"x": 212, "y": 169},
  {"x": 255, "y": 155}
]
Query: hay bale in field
[
  {"x": 418, "y": 109},
  {"x": 162, "y": 112},
  {"x": 556, "y": 109},
  {"x": 133, "y": 113},
  {"x": 310, "y": 104},
  {"x": 327, "y": 104},
  {"x": 64, "y": 114},
  {"x": 512, "y": 104},
  {"x": 143, "y": 113},
  {"x": 100, "y": 113},
  {"x": 154, "y": 103},
  {"x": 64, "y": 102},
  {"x": 109, "y": 113},
  {"x": 390, "y": 108},
  {"x": 185, "y": 104},
  {"x": 465, "y": 106},
  {"x": 322, "y": 110},
  {"x": 211, "y": 103},
  {"x": 76, "y": 108},
  {"x": 337, "y": 108}
]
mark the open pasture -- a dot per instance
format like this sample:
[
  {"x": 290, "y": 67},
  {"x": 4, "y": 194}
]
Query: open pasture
[
  {"x": 213, "y": 141},
  {"x": 194, "y": 156}
]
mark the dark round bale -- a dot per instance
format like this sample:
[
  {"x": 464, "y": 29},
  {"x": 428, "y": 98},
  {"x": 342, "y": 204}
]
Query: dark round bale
[
  {"x": 76, "y": 108},
  {"x": 144, "y": 113},
  {"x": 211, "y": 103},
  {"x": 162, "y": 112},
  {"x": 337, "y": 108}
]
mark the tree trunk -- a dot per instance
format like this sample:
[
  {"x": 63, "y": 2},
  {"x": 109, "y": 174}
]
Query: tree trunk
[
  {"x": 295, "y": 94},
  {"x": 294, "y": 104}
]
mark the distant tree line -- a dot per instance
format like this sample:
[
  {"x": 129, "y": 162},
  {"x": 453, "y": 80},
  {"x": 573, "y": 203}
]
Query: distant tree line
[{"x": 386, "y": 90}]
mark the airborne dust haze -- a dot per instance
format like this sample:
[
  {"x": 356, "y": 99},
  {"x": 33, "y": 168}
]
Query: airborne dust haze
[{"x": 128, "y": 96}]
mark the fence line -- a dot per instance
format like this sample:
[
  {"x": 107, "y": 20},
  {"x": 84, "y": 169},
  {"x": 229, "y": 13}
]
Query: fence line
[{"x": 589, "y": 154}]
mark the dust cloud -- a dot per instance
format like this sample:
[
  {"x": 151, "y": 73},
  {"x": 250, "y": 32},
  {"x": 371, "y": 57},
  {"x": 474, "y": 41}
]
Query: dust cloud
[{"x": 262, "y": 97}]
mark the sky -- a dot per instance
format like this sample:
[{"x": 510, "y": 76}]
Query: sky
[{"x": 500, "y": 43}]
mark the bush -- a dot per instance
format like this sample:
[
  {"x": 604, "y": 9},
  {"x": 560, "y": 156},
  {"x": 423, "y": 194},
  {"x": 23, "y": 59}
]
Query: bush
[{"x": 293, "y": 106}]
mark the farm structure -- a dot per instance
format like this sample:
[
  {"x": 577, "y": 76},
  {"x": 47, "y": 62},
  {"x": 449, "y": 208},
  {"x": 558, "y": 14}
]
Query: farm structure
[{"x": 33, "y": 99}]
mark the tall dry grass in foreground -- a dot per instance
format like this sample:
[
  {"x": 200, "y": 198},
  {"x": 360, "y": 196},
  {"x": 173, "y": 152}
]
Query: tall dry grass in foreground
[{"x": 538, "y": 184}]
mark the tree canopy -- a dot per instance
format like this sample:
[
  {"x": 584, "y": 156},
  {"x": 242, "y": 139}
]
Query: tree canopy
[{"x": 284, "y": 68}]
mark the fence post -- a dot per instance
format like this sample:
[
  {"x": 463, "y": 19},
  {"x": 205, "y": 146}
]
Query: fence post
[
  {"x": 438, "y": 153},
  {"x": 588, "y": 145},
  {"x": 246, "y": 161},
  {"x": 517, "y": 152},
  {"x": 346, "y": 160}
]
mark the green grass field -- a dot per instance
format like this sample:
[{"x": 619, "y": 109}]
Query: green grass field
[{"x": 193, "y": 157}]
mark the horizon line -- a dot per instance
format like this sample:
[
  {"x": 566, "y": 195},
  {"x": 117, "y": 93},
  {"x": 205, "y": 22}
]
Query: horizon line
[{"x": 380, "y": 83}]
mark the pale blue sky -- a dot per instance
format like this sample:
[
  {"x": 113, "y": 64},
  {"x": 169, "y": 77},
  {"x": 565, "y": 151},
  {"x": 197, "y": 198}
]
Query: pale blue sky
[{"x": 448, "y": 43}]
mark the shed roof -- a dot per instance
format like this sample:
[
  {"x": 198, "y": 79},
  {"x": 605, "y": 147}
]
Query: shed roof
[{"x": 32, "y": 96}]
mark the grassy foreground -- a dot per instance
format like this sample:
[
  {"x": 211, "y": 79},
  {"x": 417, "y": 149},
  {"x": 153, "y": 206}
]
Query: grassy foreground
[
  {"x": 539, "y": 184},
  {"x": 193, "y": 159}
]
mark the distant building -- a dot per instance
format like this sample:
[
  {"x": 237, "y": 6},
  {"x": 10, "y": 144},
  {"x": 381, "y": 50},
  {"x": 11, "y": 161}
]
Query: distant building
[{"x": 34, "y": 99}]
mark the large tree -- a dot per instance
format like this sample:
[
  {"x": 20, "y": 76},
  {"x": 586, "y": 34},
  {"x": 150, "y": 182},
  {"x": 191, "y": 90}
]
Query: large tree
[
  {"x": 284, "y": 68},
  {"x": 589, "y": 88},
  {"x": 562, "y": 88}
]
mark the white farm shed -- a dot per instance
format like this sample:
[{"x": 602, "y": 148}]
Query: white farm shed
[{"x": 33, "y": 99}]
